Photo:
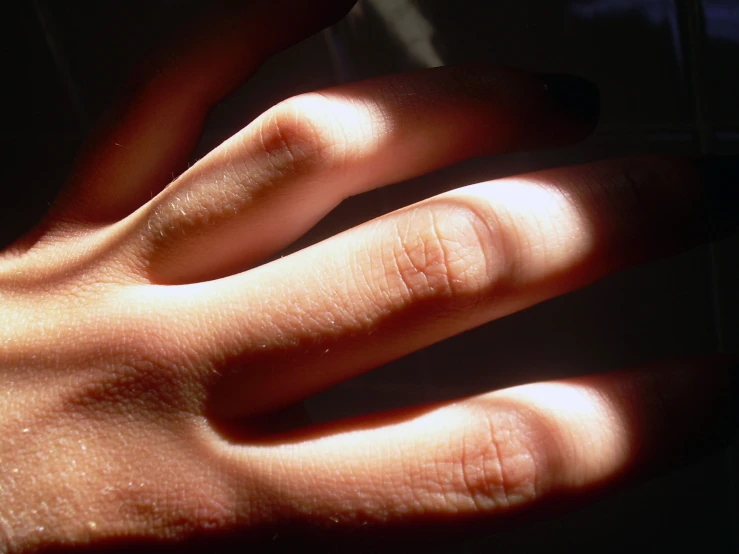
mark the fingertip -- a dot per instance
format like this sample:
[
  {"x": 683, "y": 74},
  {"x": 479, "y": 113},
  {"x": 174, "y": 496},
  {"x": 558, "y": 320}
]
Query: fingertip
[
  {"x": 573, "y": 104},
  {"x": 577, "y": 97}
]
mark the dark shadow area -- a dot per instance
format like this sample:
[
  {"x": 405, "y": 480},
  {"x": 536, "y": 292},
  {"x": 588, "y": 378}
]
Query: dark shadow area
[{"x": 618, "y": 49}]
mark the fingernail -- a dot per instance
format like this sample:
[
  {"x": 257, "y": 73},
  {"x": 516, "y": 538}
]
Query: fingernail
[
  {"x": 721, "y": 185},
  {"x": 574, "y": 95}
]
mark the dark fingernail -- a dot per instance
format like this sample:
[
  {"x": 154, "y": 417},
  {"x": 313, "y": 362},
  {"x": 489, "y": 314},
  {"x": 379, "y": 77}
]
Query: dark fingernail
[
  {"x": 575, "y": 95},
  {"x": 721, "y": 184}
]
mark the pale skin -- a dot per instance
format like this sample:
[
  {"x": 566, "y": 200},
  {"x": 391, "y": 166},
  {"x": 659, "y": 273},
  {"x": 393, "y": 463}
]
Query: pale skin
[{"x": 143, "y": 343}]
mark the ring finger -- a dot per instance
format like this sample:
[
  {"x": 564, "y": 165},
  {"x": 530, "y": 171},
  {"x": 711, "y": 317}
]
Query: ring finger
[{"x": 488, "y": 457}]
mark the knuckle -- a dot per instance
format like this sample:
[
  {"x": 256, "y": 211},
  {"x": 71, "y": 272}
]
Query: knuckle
[
  {"x": 442, "y": 251},
  {"x": 298, "y": 139},
  {"x": 503, "y": 459},
  {"x": 299, "y": 136}
]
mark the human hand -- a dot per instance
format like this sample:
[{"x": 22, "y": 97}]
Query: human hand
[{"x": 138, "y": 356}]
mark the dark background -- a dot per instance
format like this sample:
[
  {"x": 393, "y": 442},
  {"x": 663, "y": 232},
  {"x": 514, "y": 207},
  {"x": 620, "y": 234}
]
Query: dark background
[{"x": 669, "y": 76}]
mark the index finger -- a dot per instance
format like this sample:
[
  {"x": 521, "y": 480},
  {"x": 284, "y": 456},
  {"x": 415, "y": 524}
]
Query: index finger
[{"x": 149, "y": 136}]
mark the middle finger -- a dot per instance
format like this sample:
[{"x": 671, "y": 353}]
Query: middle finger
[{"x": 427, "y": 272}]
